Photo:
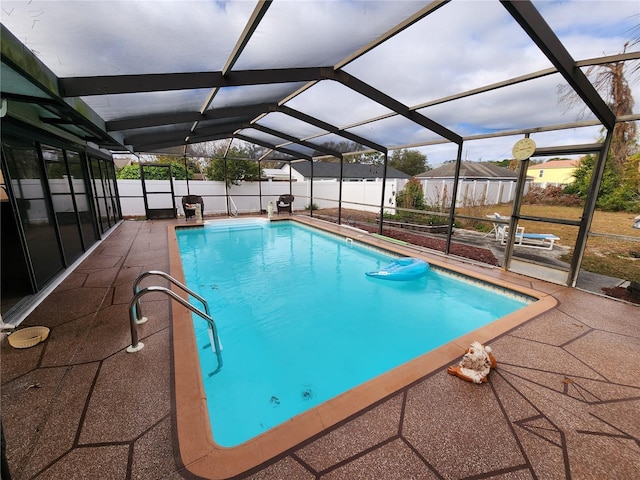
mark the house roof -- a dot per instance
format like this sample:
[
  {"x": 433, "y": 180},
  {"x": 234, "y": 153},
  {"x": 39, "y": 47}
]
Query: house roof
[
  {"x": 121, "y": 162},
  {"x": 555, "y": 164},
  {"x": 275, "y": 173},
  {"x": 470, "y": 170},
  {"x": 350, "y": 170}
]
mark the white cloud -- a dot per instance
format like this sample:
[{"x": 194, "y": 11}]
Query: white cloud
[
  {"x": 314, "y": 33},
  {"x": 334, "y": 103},
  {"x": 461, "y": 46},
  {"x": 78, "y": 38}
]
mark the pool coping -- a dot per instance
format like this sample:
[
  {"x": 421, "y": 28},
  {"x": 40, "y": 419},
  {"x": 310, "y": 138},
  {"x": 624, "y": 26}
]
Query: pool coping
[{"x": 201, "y": 456}]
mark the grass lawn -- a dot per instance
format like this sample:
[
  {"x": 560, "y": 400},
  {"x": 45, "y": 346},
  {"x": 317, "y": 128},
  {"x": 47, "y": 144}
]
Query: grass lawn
[{"x": 607, "y": 256}]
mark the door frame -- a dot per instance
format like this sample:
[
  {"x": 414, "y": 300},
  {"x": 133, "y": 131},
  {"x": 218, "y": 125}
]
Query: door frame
[{"x": 158, "y": 213}]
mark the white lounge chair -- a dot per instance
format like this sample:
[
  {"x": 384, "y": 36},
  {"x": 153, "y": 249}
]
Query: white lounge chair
[
  {"x": 497, "y": 218},
  {"x": 544, "y": 241}
]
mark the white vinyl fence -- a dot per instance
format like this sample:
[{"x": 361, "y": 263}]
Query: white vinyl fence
[
  {"x": 438, "y": 192},
  {"x": 252, "y": 197}
]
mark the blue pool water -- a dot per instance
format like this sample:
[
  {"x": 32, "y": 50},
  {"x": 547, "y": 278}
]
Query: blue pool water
[{"x": 300, "y": 322}]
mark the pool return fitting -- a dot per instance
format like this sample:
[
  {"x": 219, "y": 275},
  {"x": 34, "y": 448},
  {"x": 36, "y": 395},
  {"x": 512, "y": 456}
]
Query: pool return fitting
[{"x": 136, "y": 319}]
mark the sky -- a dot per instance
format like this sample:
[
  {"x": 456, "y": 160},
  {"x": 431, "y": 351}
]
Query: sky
[{"x": 460, "y": 46}]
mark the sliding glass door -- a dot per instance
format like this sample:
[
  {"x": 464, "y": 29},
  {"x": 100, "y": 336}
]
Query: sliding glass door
[{"x": 35, "y": 214}]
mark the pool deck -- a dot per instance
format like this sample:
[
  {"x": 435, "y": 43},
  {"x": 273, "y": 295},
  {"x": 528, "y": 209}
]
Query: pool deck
[{"x": 564, "y": 401}]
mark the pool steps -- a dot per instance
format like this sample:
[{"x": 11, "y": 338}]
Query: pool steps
[{"x": 135, "y": 310}]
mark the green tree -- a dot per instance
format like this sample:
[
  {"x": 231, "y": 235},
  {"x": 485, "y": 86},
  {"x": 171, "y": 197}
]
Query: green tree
[
  {"x": 626, "y": 192},
  {"x": 411, "y": 162},
  {"x": 236, "y": 155},
  {"x": 236, "y": 170},
  {"x": 506, "y": 163},
  {"x": 132, "y": 172},
  {"x": 411, "y": 196},
  {"x": 610, "y": 81},
  {"x": 370, "y": 158},
  {"x": 619, "y": 190}
]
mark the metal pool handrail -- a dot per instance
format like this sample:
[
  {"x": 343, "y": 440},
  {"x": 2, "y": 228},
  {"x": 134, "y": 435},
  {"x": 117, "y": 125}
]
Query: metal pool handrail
[
  {"x": 172, "y": 280},
  {"x": 134, "y": 310},
  {"x": 235, "y": 208}
]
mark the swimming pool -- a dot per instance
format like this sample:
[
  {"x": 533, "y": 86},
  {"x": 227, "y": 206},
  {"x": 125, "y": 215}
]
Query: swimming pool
[
  {"x": 301, "y": 323},
  {"x": 202, "y": 456}
]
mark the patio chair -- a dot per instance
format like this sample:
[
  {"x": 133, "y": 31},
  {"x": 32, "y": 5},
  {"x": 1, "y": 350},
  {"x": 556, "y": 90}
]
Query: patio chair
[
  {"x": 497, "y": 218},
  {"x": 543, "y": 241},
  {"x": 189, "y": 205},
  {"x": 284, "y": 203}
]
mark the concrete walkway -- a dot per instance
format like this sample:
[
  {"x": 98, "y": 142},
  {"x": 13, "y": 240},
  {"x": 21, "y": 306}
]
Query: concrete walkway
[{"x": 563, "y": 403}]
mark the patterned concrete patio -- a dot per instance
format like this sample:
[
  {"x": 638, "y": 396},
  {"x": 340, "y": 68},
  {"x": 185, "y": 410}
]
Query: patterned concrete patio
[{"x": 564, "y": 401}]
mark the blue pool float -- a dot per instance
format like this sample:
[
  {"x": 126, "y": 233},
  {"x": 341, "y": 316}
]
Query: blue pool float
[{"x": 402, "y": 269}]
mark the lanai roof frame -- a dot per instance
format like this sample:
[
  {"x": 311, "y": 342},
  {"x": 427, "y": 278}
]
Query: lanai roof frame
[{"x": 84, "y": 87}]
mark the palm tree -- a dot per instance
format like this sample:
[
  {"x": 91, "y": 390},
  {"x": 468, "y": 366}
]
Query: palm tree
[{"x": 610, "y": 81}]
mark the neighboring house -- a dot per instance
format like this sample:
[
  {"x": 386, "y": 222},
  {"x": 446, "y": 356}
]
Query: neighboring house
[
  {"x": 121, "y": 162},
  {"x": 559, "y": 172},
  {"x": 275, "y": 174},
  {"x": 351, "y": 172},
  {"x": 472, "y": 171},
  {"x": 481, "y": 183}
]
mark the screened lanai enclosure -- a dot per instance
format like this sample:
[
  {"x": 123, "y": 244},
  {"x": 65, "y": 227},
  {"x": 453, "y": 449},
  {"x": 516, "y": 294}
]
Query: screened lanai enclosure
[{"x": 303, "y": 80}]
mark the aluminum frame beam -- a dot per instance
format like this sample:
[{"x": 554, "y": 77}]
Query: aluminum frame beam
[
  {"x": 392, "y": 104},
  {"x": 298, "y": 141},
  {"x": 256, "y": 17},
  {"x": 181, "y": 135},
  {"x": 272, "y": 147},
  {"x": 151, "y": 147},
  {"x": 423, "y": 12},
  {"x": 188, "y": 117},
  {"x": 330, "y": 128},
  {"x": 544, "y": 37},
  {"x": 157, "y": 82}
]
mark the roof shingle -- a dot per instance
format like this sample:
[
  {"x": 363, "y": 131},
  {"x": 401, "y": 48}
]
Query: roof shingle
[
  {"x": 470, "y": 170},
  {"x": 349, "y": 171}
]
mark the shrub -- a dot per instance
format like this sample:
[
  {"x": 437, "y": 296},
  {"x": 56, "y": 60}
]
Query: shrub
[
  {"x": 132, "y": 172},
  {"x": 619, "y": 190},
  {"x": 411, "y": 196},
  {"x": 551, "y": 195},
  {"x": 417, "y": 217}
]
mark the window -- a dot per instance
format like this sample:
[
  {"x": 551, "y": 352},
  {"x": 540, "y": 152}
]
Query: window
[
  {"x": 82, "y": 198},
  {"x": 35, "y": 211},
  {"x": 540, "y": 173},
  {"x": 64, "y": 207}
]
